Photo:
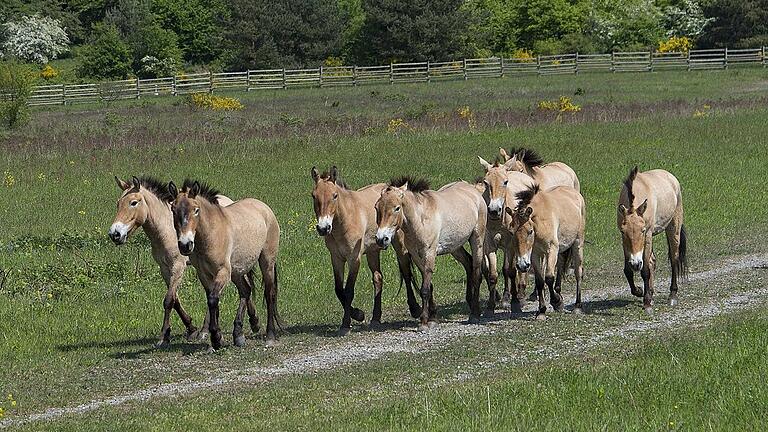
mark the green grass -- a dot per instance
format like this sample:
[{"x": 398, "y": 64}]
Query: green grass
[{"x": 80, "y": 314}]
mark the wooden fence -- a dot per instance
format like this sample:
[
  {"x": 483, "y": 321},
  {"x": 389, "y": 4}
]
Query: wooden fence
[{"x": 398, "y": 73}]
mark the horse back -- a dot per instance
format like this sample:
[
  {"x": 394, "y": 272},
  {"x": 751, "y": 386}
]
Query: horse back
[
  {"x": 557, "y": 174},
  {"x": 664, "y": 195},
  {"x": 561, "y": 215}
]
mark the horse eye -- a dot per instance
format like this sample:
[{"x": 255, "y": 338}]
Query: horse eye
[
  {"x": 505, "y": 182},
  {"x": 530, "y": 231},
  {"x": 134, "y": 203},
  {"x": 197, "y": 211},
  {"x": 335, "y": 195},
  {"x": 397, "y": 209}
]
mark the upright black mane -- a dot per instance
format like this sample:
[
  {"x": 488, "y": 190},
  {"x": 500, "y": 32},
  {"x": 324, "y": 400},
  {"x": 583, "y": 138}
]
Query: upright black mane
[
  {"x": 526, "y": 196},
  {"x": 527, "y": 156},
  {"x": 158, "y": 188},
  {"x": 326, "y": 175},
  {"x": 628, "y": 185},
  {"x": 414, "y": 185},
  {"x": 206, "y": 191}
]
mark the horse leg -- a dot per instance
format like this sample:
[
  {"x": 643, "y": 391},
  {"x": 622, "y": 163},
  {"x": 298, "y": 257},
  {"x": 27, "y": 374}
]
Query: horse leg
[
  {"x": 465, "y": 259},
  {"x": 491, "y": 276},
  {"x": 577, "y": 258},
  {"x": 649, "y": 261},
  {"x": 404, "y": 265},
  {"x": 427, "y": 301},
  {"x": 338, "y": 282},
  {"x": 253, "y": 318},
  {"x": 476, "y": 246},
  {"x": 374, "y": 264},
  {"x": 538, "y": 277},
  {"x": 244, "y": 292},
  {"x": 552, "y": 268},
  {"x": 213, "y": 293},
  {"x": 673, "y": 233},
  {"x": 508, "y": 273},
  {"x": 349, "y": 290},
  {"x": 268, "y": 267},
  {"x": 630, "y": 275},
  {"x": 172, "y": 280}
]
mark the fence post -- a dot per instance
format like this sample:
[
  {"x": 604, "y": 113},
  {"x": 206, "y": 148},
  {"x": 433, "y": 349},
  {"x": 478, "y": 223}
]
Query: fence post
[
  {"x": 764, "y": 60},
  {"x": 248, "y": 80},
  {"x": 320, "y": 81},
  {"x": 650, "y": 61},
  {"x": 464, "y": 68},
  {"x": 138, "y": 89},
  {"x": 391, "y": 74},
  {"x": 354, "y": 76},
  {"x": 429, "y": 73},
  {"x": 538, "y": 64},
  {"x": 725, "y": 59},
  {"x": 173, "y": 86},
  {"x": 613, "y": 61},
  {"x": 285, "y": 83},
  {"x": 501, "y": 67},
  {"x": 210, "y": 82},
  {"x": 63, "y": 94},
  {"x": 688, "y": 60},
  {"x": 576, "y": 64}
]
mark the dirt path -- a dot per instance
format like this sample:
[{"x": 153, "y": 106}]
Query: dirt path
[{"x": 375, "y": 346}]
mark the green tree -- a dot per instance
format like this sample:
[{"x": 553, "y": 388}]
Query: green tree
[
  {"x": 198, "y": 24},
  {"x": 16, "y": 83},
  {"x": 737, "y": 23},
  {"x": 541, "y": 20},
  {"x": 106, "y": 56},
  {"x": 626, "y": 24},
  {"x": 412, "y": 30},
  {"x": 283, "y": 33}
]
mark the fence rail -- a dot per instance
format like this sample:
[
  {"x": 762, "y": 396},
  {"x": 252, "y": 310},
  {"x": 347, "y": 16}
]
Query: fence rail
[{"x": 643, "y": 61}]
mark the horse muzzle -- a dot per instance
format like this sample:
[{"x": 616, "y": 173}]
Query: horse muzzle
[
  {"x": 383, "y": 242},
  {"x": 323, "y": 230},
  {"x": 523, "y": 265},
  {"x": 186, "y": 248},
  {"x": 494, "y": 214},
  {"x": 636, "y": 262},
  {"x": 117, "y": 238}
]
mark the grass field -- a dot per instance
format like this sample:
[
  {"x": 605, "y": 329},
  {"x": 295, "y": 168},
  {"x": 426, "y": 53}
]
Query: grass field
[{"x": 80, "y": 315}]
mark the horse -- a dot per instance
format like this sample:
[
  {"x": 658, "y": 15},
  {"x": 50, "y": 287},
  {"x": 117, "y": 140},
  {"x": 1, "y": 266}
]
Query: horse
[
  {"x": 548, "y": 229},
  {"x": 651, "y": 202},
  {"x": 145, "y": 203},
  {"x": 435, "y": 223},
  {"x": 501, "y": 185},
  {"x": 547, "y": 175},
  {"x": 346, "y": 219},
  {"x": 225, "y": 243}
]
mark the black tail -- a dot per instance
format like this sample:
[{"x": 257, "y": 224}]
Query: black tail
[
  {"x": 682, "y": 262},
  {"x": 278, "y": 320}
]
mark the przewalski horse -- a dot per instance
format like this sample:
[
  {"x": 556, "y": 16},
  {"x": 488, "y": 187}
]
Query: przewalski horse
[
  {"x": 435, "y": 223},
  {"x": 347, "y": 221},
  {"x": 501, "y": 185},
  {"x": 548, "y": 231},
  {"x": 547, "y": 175},
  {"x": 145, "y": 203},
  {"x": 651, "y": 202},
  {"x": 225, "y": 243}
]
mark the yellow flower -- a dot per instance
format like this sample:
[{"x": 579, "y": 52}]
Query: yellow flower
[
  {"x": 81, "y": 212},
  {"x": 50, "y": 296},
  {"x": 49, "y": 72},
  {"x": 8, "y": 179},
  {"x": 396, "y": 125},
  {"x": 675, "y": 44},
  {"x": 215, "y": 103}
]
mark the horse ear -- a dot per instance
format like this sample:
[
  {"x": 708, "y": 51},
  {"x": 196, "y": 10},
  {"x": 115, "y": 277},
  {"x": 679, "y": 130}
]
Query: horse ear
[
  {"x": 509, "y": 211},
  {"x": 641, "y": 208},
  {"x": 173, "y": 190},
  {"x": 528, "y": 212},
  {"x": 136, "y": 184},
  {"x": 503, "y": 153},
  {"x": 121, "y": 184},
  {"x": 623, "y": 209},
  {"x": 315, "y": 174},
  {"x": 334, "y": 173},
  {"x": 510, "y": 163},
  {"x": 195, "y": 189},
  {"x": 484, "y": 163},
  {"x": 404, "y": 187}
]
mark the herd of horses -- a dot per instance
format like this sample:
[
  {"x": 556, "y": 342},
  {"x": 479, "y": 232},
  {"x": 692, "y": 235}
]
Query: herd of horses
[{"x": 533, "y": 211}]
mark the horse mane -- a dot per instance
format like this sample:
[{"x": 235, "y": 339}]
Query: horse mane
[
  {"x": 414, "y": 185},
  {"x": 530, "y": 158},
  {"x": 158, "y": 188},
  {"x": 206, "y": 191},
  {"x": 326, "y": 175},
  {"x": 628, "y": 185},
  {"x": 525, "y": 197}
]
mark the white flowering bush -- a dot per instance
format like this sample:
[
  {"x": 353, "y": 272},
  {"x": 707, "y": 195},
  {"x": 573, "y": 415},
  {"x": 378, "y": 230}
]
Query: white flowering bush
[
  {"x": 687, "y": 19},
  {"x": 34, "y": 39},
  {"x": 152, "y": 67}
]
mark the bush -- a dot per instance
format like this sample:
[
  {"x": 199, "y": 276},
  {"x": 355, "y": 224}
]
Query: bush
[
  {"x": 162, "y": 48},
  {"x": 214, "y": 103},
  {"x": 106, "y": 56},
  {"x": 16, "y": 84},
  {"x": 675, "y": 44},
  {"x": 35, "y": 39},
  {"x": 49, "y": 72}
]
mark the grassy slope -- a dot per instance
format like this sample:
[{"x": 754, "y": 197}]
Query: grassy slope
[{"x": 105, "y": 305}]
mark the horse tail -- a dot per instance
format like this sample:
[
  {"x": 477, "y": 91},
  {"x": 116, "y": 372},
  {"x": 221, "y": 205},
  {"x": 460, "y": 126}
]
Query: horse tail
[{"x": 682, "y": 260}]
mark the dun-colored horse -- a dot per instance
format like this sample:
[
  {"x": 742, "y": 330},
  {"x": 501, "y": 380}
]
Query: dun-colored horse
[
  {"x": 501, "y": 185},
  {"x": 225, "y": 243},
  {"x": 548, "y": 231},
  {"x": 435, "y": 223},
  {"x": 347, "y": 221},
  {"x": 145, "y": 203},
  {"x": 547, "y": 175},
  {"x": 651, "y": 202}
]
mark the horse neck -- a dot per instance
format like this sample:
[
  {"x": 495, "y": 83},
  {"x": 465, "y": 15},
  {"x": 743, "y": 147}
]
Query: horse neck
[
  {"x": 345, "y": 208},
  {"x": 159, "y": 223},
  {"x": 413, "y": 207},
  {"x": 213, "y": 217}
]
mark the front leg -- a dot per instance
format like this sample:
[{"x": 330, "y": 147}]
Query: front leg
[
  {"x": 630, "y": 275},
  {"x": 374, "y": 264},
  {"x": 649, "y": 265},
  {"x": 213, "y": 291},
  {"x": 427, "y": 302},
  {"x": 555, "y": 299},
  {"x": 172, "y": 278}
]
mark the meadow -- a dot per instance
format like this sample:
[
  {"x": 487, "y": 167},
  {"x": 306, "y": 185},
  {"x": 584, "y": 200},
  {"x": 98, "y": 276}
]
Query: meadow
[{"x": 80, "y": 315}]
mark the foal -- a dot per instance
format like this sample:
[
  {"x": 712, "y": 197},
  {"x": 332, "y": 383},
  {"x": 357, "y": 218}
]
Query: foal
[
  {"x": 502, "y": 183},
  {"x": 435, "y": 223},
  {"x": 145, "y": 202},
  {"x": 225, "y": 243},
  {"x": 346, "y": 219},
  {"x": 651, "y": 202},
  {"x": 547, "y": 175},
  {"x": 548, "y": 229}
]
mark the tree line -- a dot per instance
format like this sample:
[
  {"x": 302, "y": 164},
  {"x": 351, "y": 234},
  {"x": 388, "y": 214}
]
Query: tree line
[{"x": 110, "y": 39}]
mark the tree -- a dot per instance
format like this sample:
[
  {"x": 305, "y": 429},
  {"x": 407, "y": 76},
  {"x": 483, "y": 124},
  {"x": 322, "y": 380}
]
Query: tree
[
  {"x": 737, "y": 24},
  {"x": 412, "y": 30},
  {"x": 541, "y": 20},
  {"x": 35, "y": 39},
  {"x": 686, "y": 19},
  {"x": 16, "y": 81},
  {"x": 106, "y": 56},
  {"x": 626, "y": 24},
  {"x": 283, "y": 33},
  {"x": 198, "y": 24}
]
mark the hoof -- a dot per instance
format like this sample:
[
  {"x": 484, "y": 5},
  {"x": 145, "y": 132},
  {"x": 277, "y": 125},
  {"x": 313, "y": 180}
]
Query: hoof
[
  {"x": 578, "y": 311},
  {"x": 673, "y": 302},
  {"x": 516, "y": 307},
  {"x": 473, "y": 319},
  {"x": 270, "y": 342},
  {"x": 200, "y": 336},
  {"x": 415, "y": 312},
  {"x": 375, "y": 326},
  {"x": 191, "y": 334},
  {"x": 424, "y": 328},
  {"x": 533, "y": 297},
  {"x": 637, "y": 293},
  {"x": 489, "y": 313},
  {"x": 648, "y": 310},
  {"x": 162, "y": 344},
  {"x": 505, "y": 305},
  {"x": 343, "y": 331},
  {"x": 211, "y": 350},
  {"x": 558, "y": 308},
  {"x": 432, "y": 324},
  {"x": 240, "y": 341},
  {"x": 541, "y": 317},
  {"x": 357, "y": 315}
]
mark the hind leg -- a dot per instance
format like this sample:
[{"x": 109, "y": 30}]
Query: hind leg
[
  {"x": 649, "y": 266},
  {"x": 244, "y": 291},
  {"x": 268, "y": 266},
  {"x": 577, "y": 258},
  {"x": 374, "y": 264},
  {"x": 673, "y": 233},
  {"x": 253, "y": 318},
  {"x": 465, "y": 259},
  {"x": 550, "y": 272}
]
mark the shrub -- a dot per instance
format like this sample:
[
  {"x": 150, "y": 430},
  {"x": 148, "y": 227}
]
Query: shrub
[
  {"x": 524, "y": 54},
  {"x": 675, "y": 44},
  {"x": 214, "y": 103},
  {"x": 106, "y": 56},
  {"x": 16, "y": 83},
  {"x": 49, "y": 72},
  {"x": 35, "y": 39}
]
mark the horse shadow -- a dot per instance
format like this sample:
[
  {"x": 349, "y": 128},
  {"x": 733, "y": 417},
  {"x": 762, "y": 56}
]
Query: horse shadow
[
  {"x": 147, "y": 346},
  {"x": 604, "y": 307}
]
